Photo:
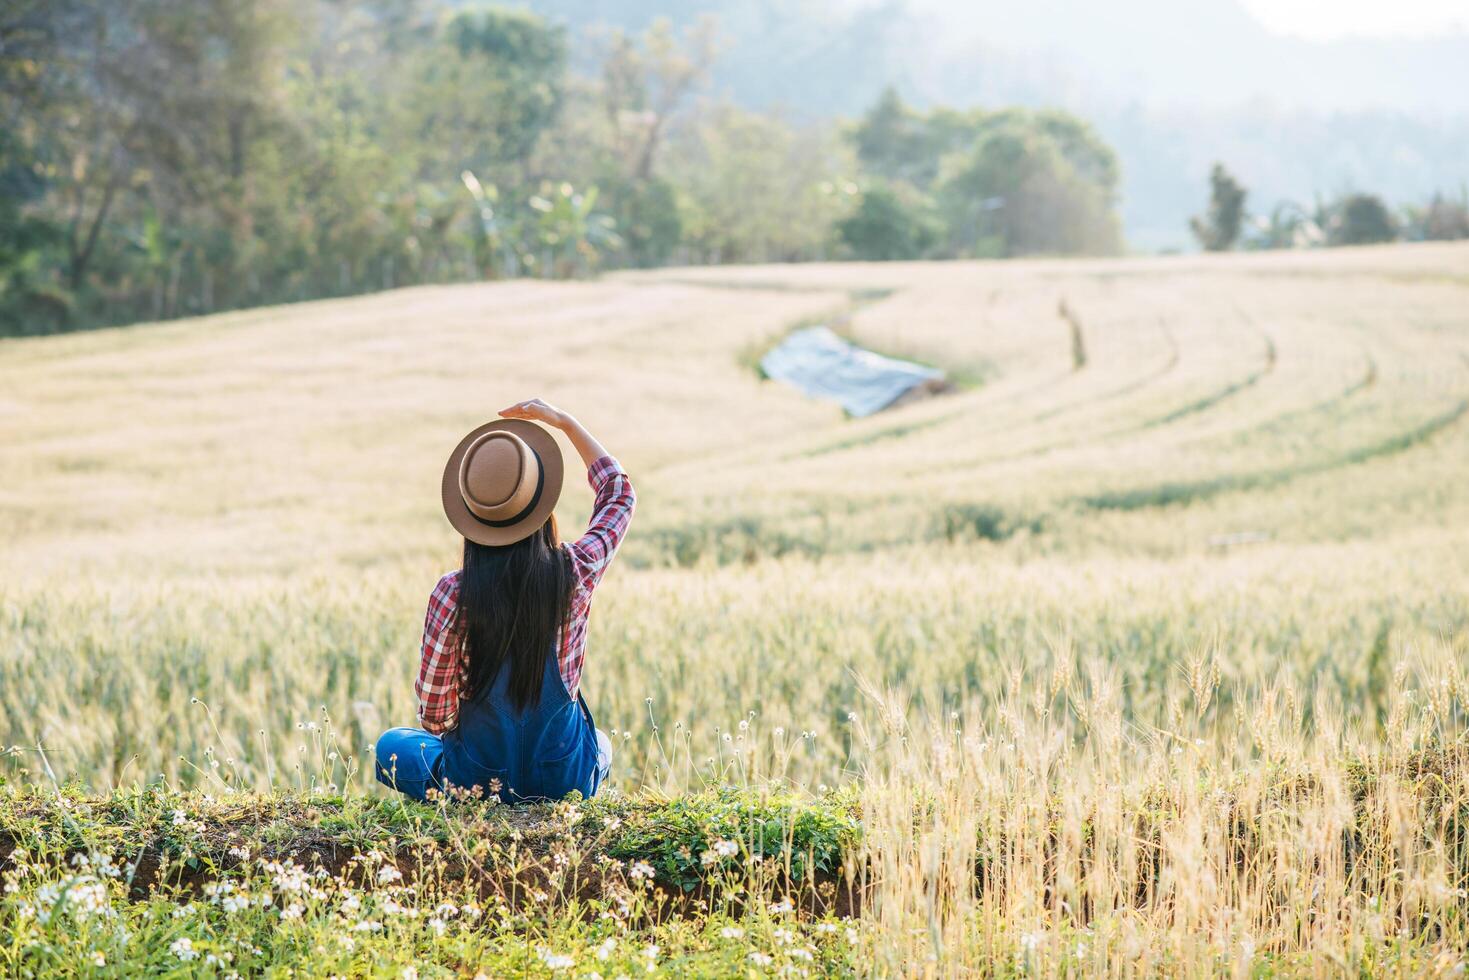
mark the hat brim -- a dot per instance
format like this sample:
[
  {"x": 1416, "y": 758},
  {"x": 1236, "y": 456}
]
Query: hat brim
[{"x": 545, "y": 446}]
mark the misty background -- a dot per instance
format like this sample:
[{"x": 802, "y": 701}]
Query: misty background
[{"x": 1172, "y": 86}]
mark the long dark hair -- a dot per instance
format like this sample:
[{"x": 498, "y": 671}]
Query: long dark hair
[{"x": 513, "y": 600}]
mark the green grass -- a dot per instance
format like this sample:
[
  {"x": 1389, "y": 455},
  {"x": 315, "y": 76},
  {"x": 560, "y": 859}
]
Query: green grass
[{"x": 722, "y": 881}]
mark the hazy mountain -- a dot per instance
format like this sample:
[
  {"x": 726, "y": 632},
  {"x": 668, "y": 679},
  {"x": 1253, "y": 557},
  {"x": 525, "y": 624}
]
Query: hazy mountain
[
  {"x": 1195, "y": 53},
  {"x": 1172, "y": 84}
]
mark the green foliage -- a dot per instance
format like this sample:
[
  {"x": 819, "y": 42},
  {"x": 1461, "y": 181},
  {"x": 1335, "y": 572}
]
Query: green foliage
[
  {"x": 177, "y": 158},
  {"x": 801, "y": 837},
  {"x": 1442, "y": 219},
  {"x": 1288, "y": 226},
  {"x": 756, "y": 189},
  {"x": 890, "y": 222},
  {"x": 897, "y": 143},
  {"x": 152, "y": 881},
  {"x": 1034, "y": 182},
  {"x": 958, "y": 522},
  {"x": 1360, "y": 219},
  {"x": 482, "y": 96},
  {"x": 1219, "y": 229},
  {"x": 1011, "y": 182},
  {"x": 648, "y": 219}
]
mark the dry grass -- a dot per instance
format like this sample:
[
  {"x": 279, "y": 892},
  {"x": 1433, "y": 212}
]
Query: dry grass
[{"x": 1090, "y": 628}]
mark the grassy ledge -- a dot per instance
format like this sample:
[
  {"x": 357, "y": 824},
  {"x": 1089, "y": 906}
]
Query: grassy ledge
[{"x": 714, "y": 883}]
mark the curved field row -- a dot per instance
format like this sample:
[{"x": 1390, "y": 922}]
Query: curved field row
[{"x": 1349, "y": 373}]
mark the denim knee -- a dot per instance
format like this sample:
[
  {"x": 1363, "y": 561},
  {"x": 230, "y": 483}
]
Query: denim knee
[{"x": 408, "y": 760}]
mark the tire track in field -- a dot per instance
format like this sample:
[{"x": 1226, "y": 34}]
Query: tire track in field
[
  {"x": 1202, "y": 404},
  {"x": 867, "y": 439},
  {"x": 1136, "y": 384},
  {"x": 1366, "y": 381},
  {"x": 1214, "y": 398},
  {"x": 1179, "y": 492},
  {"x": 1175, "y": 355}
]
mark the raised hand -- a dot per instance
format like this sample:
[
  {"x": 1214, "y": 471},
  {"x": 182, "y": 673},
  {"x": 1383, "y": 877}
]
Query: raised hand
[{"x": 536, "y": 410}]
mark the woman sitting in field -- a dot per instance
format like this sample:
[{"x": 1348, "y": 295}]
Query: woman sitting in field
[{"x": 505, "y": 636}]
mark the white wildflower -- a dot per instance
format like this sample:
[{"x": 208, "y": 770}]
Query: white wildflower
[
  {"x": 184, "y": 949},
  {"x": 555, "y": 961},
  {"x": 288, "y": 876}
]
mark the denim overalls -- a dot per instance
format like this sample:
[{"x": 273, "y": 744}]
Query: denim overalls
[{"x": 543, "y": 752}]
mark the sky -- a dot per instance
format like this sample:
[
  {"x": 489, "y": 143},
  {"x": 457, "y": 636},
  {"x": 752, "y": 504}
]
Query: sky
[
  {"x": 1317, "y": 20},
  {"x": 1324, "y": 19},
  {"x": 1327, "y": 19}
]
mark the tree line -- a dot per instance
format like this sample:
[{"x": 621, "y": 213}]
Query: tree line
[
  {"x": 1353, "y": 218},
  {"x": 163, "y": 158}
]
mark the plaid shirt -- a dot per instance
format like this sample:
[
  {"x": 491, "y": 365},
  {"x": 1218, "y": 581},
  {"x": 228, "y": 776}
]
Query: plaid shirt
[{"x": 442, "y": 673}]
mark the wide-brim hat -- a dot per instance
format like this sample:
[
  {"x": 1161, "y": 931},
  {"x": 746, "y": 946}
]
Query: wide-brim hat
[{"x": 502, "y": 481}]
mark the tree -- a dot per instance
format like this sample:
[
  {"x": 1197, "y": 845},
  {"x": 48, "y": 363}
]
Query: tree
[
  {"x": 1443, "y": 220},
  {"x": 1219, "y": 229},
  {"x": 1288, "y": 226},
  {"x": 646, "y": 80},
  {"x": 896, "y": 143},
  {"x": 890, "y": 223},
  {"x": 1010, "y": 182},
  {"x": 1031, "y": 185},
  {"x": 648, "y": 219},
  {"x": 755, "y": 189},
  {"x": 885, "y": 137},
  {"x": 149, "y": 106},
  {"x": 1360, "y": 219},
  {"x": 479, "y": 97},
  {"x": 617, "y": 126}
]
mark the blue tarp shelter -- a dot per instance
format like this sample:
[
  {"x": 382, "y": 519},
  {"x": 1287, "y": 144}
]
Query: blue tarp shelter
[{"x": 823, "y": 365}]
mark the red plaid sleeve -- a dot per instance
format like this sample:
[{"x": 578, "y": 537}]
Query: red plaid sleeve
[
  {"x": 441, "y": 671},
  {"x": 591, "y": 554}
]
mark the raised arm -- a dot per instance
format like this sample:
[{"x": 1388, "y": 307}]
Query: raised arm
[
  {"x": 615, "y": 499},
  {"x": 536, "y": 410}
]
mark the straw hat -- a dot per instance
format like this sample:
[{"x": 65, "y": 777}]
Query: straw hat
[{"x": 502, "y": 481}]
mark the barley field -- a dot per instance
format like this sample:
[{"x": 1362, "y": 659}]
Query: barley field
[{"x": 1141, "y": 653}]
